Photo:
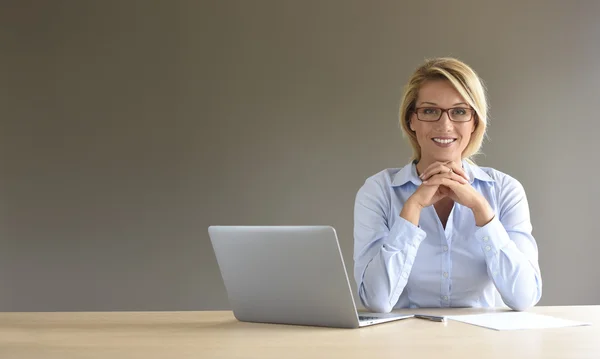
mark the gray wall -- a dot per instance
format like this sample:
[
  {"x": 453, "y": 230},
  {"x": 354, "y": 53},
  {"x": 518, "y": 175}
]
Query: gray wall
[{"x": 128, "y": 127}]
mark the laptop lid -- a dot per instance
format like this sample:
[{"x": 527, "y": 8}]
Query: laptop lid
[{"x": 285, "y": 274}]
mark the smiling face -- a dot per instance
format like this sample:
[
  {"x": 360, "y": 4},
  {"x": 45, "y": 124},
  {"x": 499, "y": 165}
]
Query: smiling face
[{"x": 442, "y": 140}]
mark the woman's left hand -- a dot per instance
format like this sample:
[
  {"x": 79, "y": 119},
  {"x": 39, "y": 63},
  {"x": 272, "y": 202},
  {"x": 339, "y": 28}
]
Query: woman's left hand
[{"x": 461, "y": 193}]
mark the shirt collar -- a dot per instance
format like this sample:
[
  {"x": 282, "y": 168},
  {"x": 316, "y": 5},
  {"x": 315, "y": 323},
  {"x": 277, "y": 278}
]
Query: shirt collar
[
  {"x": 475, "y": 172},
  {"x": 408, "y": 173}
]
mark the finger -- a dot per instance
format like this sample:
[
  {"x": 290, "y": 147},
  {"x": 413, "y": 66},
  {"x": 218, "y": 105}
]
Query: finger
[
  {"x": 439, "y": 169},
  {"x": 458, "y": 178},
  {"x": 434, "y": 167},
  {"x": 447, "y": 167},
  {"x": 445, "y": 179},
  {"x": 433, "y": 181},
  {"x": 458, "y": 169},
  {"x": 450, "y": 183},
  {"x": 451, "y": 175}
]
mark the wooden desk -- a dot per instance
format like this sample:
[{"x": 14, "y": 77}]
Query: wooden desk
[{"x": 218, "y": 335}]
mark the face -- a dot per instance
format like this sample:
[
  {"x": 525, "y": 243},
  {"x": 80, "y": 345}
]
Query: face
[{"x": 442, "y": 140}]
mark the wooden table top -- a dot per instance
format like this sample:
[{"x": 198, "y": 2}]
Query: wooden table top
[{"x": 217, "y": 334}]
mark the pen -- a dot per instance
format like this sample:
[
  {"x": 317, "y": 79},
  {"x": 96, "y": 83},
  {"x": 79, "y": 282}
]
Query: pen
[{"x": 433, "y": 318}]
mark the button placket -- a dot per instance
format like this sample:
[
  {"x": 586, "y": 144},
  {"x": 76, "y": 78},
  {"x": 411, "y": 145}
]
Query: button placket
[{"x": 445, "y": 275}]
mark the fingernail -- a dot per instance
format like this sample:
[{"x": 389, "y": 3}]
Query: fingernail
[{"x": 424, "y": 181}]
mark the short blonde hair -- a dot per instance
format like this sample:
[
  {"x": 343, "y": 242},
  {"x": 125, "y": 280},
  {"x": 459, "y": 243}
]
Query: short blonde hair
[{"x": 466, "y": 82}]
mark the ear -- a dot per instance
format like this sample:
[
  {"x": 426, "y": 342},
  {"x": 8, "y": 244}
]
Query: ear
[{"x": 410, "y": 124}]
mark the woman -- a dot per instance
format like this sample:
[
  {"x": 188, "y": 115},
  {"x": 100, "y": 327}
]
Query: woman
[{"x": 441, "y": 231}]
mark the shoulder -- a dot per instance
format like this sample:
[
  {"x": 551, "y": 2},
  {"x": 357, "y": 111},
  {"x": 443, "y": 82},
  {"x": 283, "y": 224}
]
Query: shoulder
[
  {"x": 502, "y": 180},
  {"x": 383, "y": 177},
  {"x": 378, "y": 185},
  {"x": 509, "y": 197},
  {"x": 507, "y": 190}
]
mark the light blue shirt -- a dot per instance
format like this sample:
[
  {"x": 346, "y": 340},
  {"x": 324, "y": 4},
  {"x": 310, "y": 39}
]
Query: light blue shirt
[{"x": 400, "y": 265}]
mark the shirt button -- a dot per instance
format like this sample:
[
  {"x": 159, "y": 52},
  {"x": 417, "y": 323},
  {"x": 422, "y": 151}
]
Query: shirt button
[
  {"x": 487, "y": 248},
  {"x": 405, "y": 274},
  {"x": 445, "y": 248},
  {"x": 445, "y": 297},
  {"x": 445, "y": 274},
  {"x": 485, "y": 239}
]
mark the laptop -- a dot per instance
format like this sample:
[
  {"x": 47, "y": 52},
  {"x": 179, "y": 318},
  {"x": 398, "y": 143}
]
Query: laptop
[{"x": 288, "y": 275}]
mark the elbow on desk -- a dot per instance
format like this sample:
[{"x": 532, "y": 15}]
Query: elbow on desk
[
  {"x": 379, "y": 307},
  {"x": 521, "y": 304},
  {"x": 376, "y": 305},
  {"x": 524, "y": 296}
]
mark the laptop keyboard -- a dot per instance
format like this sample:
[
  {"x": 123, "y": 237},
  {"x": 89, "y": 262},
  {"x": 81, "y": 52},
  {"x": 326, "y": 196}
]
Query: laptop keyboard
[{"x": 364, "y": 317}]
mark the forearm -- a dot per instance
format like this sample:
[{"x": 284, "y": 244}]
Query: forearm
[
  {"x": 515, "y": 272},
  {"x": 386, "y": 273},
  {"x": 411, "y": 212},
  {"x": 482, "y": 212}
]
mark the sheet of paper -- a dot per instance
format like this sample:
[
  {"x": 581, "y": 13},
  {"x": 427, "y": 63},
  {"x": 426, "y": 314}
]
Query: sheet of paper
[{"x": 515, "y": 321}]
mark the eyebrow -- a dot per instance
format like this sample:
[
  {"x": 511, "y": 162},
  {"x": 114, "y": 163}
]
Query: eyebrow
[{"x": 435, "y": 104}]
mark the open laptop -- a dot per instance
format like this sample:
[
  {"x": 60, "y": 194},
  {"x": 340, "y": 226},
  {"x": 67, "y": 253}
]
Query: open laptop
[{"x": 288, "y": 275}]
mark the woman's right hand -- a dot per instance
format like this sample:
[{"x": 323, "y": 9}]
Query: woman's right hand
[{"x": 426, "y": 196}]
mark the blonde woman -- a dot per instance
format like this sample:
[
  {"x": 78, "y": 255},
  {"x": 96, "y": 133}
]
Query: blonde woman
[{"x": 442, "y": 231}]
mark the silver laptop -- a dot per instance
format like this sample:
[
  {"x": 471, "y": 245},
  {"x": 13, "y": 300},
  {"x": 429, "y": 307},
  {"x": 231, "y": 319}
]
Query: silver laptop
[{"x": 288, "y": 275}]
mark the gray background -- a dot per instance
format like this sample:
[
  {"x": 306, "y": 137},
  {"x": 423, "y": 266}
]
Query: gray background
[{"x": 128, "y": 127}]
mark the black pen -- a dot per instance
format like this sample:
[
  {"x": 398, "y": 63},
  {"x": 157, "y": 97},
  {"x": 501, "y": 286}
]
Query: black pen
[{"x": 433, "y": 318}]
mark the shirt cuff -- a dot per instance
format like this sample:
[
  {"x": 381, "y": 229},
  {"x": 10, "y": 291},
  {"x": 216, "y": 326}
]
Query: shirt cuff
[
  {"x": 403, "y": 233},
  {"x": 492, "y": 237}
]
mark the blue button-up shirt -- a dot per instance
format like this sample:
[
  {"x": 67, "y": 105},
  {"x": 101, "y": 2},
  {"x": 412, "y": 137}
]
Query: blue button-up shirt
[{"x": 400, "y": 265}]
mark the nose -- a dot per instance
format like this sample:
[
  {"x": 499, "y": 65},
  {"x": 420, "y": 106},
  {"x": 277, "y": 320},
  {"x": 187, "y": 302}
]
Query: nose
[{"x": 444, "y": 123}]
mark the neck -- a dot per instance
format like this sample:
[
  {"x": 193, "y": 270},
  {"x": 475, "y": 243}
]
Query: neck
[{"x": 425, "y": 162}]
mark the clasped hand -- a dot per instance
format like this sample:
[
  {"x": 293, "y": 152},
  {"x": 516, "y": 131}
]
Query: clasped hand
[{"x": 446, "y": 179}]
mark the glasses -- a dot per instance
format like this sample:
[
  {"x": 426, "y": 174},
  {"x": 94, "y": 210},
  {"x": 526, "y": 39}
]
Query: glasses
[{"x": 456, "y": 114}]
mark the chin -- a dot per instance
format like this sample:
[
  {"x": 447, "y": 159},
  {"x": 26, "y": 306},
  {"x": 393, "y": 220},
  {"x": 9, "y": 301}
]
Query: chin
[{"x": 444, "y": 157}]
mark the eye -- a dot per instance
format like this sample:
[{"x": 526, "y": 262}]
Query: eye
[
  {"x": 459, "y": 111},
  {"x": 430, "y": 111}
]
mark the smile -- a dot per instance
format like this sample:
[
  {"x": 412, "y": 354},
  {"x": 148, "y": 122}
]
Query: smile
[{"x": 444, "y": 141}]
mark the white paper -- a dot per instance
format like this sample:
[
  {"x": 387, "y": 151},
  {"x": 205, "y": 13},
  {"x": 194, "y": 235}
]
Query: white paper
[{"x": 515, "y": 321}]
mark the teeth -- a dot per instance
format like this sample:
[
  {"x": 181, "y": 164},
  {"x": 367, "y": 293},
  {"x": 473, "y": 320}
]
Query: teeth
[{"x": 445, "y": 141}]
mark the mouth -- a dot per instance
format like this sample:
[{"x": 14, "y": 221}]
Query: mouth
[{"x": 444, "y": 141}]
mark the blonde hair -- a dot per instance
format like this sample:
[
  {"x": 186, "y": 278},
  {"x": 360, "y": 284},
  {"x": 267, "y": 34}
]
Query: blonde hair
[{"x": 466, "y": 82}]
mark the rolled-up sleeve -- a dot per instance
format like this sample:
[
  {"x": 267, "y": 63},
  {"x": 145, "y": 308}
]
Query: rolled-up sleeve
[
  {"x": 510, "y": 250},
  {"x": 383, "y": 253}
]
